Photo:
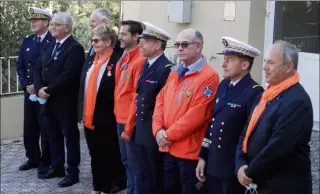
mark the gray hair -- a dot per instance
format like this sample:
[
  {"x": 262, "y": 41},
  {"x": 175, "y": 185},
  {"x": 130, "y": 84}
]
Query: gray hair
[
  {"x": 102, "y": 13},
  {"x": 289, "y": 52},
  {"x": 66, "y": 18},
  {"x": 198, "y": 37}
]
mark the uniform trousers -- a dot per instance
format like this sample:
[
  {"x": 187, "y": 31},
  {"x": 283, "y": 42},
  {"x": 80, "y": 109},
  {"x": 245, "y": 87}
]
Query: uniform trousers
[
  {"x": 149, "y": 162},
  {"x": 33, "y": 129},
  {"x": 180, "y": 176},
  {"x": 223, "y": 186},
  {"x": 105, "y": 156}
]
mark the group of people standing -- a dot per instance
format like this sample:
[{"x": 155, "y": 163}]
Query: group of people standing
[{"x": 154, "y": 127}]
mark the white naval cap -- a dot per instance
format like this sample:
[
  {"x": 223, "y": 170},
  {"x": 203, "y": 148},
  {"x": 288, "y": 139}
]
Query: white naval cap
[
  {"x": 152, "y": 31},
  {"x": 239, "y": 48},
  {"x": 37, "y": 13}
]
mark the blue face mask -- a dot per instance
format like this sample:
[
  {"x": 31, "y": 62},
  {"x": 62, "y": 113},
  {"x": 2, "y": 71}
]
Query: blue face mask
[
  {"x": 33, "y": 98},
  {"x": 42, "y": 100}
]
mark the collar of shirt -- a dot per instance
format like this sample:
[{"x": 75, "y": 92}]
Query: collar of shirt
[
  {"x": 42, "y": 36},
  {"x": 196, "y": 66},
  {"x": 234, "y": 83},
  {"x": 127, "y": 55},
  {"x": 153, "y": 60},
  {"x": 64, "y": 39}
]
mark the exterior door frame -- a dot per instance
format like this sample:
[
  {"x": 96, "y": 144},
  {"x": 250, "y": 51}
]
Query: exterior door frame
[{"x": 269, "y": 30}]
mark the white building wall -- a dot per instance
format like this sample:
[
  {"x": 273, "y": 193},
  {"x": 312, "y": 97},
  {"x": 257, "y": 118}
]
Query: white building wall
[{"x": 208, "y": 17}]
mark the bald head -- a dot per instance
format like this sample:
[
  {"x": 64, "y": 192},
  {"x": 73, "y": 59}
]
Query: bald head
[
  {"x": 189, "y": 45},
  {"x": 193, "y": 35}
]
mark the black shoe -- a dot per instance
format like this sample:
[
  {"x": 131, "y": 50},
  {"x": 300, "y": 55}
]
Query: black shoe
[
  {"x": 43, "y": 170},
  {"x": 28, "y": 165},
  {"x": 68, "y": 181},
  {"x": 52, "y": 173}
]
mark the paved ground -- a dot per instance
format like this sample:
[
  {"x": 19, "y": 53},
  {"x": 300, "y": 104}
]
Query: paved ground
[{"x": 16, "y": 182}]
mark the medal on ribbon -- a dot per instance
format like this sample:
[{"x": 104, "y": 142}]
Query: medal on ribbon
[{"x": 109, "y": 68}]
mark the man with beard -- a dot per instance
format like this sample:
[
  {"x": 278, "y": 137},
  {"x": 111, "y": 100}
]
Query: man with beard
[{"x": 126, "y": 78}]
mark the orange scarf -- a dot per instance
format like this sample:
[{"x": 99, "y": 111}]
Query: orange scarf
[
  {"x": 267, "y": 96},
  {"x": 91, "y": 92}
]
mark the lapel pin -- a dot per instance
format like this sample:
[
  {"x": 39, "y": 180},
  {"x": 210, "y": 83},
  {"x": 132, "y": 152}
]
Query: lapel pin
[{"x": 188, "y": 93}]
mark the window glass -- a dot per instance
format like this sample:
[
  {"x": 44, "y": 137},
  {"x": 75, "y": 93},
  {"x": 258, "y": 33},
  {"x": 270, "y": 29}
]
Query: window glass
[{"x": 298, "y": 22}]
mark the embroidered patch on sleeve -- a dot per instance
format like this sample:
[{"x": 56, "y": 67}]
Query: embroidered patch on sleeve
[{"x": 207, "y": 92}]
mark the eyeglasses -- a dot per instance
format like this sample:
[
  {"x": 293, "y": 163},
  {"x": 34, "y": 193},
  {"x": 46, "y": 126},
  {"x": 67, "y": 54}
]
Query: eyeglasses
[
  {"x": 95, "y": 40},
  {"x": 183, "y": 44}
]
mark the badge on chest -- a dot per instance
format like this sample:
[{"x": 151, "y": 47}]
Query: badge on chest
[
  {"x": 232, "y": 105},
  {"x": 109, "y": 68}
]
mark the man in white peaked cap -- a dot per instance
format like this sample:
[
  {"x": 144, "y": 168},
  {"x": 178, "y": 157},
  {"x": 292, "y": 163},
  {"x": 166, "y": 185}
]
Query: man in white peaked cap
[
  {"x": 138, "y": 130},
  {"x": 30, "y": 53},
  {"x": 232, "y": 105}
]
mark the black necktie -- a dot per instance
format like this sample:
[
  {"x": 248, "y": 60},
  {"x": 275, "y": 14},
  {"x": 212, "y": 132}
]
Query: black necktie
[
  {"x": 56, "y": 49},
  {"x": 146, "y": 67},
  {"x": 182, "y": 71},
  {"x": 38, "y": 40}
]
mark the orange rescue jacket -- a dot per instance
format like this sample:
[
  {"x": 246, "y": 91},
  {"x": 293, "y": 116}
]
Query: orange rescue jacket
[
  {"x": 126, "y": 77},
  {"x": 184, "y": 108}
]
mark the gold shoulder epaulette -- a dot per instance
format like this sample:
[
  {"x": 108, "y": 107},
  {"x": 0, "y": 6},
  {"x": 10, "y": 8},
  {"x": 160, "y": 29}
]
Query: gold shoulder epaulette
[
  {"x": 169, "y": 65},
  {"x": 256, "y": 86}
]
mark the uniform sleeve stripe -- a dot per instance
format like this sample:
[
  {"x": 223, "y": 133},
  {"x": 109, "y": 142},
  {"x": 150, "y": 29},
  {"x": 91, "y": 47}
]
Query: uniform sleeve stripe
[
  {"x": 206, "y": 145},
  {"x": 206, "y": 140}
]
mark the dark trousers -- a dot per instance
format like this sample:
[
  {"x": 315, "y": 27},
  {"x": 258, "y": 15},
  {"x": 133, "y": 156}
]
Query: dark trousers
[
  {"x": 33, "y": 129},
  {"x": 223, "y": 186},
  {"x": 126, "y": 158},
  {"x": 59, "y": 129},
  {"x": 180, "y": 176},
  {"x": 149, "y": 162},
  {"x": 105, "y": 157}
]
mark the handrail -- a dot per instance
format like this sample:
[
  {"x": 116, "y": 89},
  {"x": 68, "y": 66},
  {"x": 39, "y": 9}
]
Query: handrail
[{"x": 9, "y": 80}]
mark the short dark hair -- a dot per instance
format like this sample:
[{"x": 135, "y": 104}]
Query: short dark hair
[
  {"x": 249, "y": 59},
  {"x": 135, "y": 27},
  {"x": 163, "y": 45}
]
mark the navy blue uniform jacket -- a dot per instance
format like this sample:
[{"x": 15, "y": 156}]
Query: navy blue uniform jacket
[
  {"x": 150, "y": 83},
  {"x": 29, "y": 56},
  {"x": 232, "y": 107}
]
